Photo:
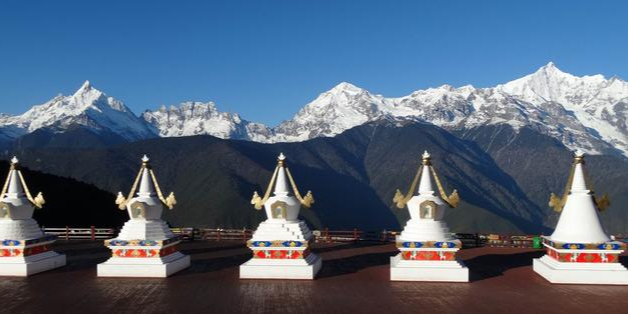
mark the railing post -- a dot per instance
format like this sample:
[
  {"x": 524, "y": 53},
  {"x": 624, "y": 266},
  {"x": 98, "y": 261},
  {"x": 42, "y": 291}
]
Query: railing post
[
  {"x": 67, "y": 233},
  {"x": 93, "y": 233},
  {"x": 355, "y": 235},
  {"x": 384, "y": 236},
  {"x": 244, "y": 235},
  {"x": 327, "y": 238},
  {"x": 218, "y": 238}
]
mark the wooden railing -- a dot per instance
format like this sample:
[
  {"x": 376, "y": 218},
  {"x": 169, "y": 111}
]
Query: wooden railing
[
  {"x": 91, "y": 233},
  {"x": 186, "y": 234},
  {"x": 225, "y": 234},
  {"x": 469, "y": 240},
  {"x": 355, "y": 235}
]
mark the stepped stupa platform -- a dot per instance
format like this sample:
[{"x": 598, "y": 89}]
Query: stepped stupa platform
[
  {"x": 281, "y": 243},
  {"x": 145, "y": 247},
  {"x": 427, "y": 249},
  {"x": 24, "y": 248},
  {"x": 579, "y": 251},
  {"x": 353, "y": 279}
]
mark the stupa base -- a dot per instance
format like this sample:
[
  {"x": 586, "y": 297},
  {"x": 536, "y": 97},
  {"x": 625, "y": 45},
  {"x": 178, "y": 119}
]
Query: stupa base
[
  {"x": 446, "y": 271},
  {"x": 257, "y": 268},
  {"x": 144, "y": 267},
  {"x": 580, "y": 273},
  {"x": 30, "y": 265}
]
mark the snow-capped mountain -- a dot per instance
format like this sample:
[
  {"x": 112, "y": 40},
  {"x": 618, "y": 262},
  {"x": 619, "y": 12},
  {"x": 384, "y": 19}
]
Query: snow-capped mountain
[
  {"x": 587, "y": 112},
  {"x": 599, "y": 104},
  {"x": 87, "y": 107},
  {"x": 194, "y": 118},
  {"x": 333, "y": 112}
]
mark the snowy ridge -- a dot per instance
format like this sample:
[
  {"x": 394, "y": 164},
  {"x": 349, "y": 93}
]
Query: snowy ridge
[
  {"x": 582, "y": 112},
  {"x": 600, "y": 105},
  {"x": 194, "y": 118},
  {"x": 588, "y": 112}
]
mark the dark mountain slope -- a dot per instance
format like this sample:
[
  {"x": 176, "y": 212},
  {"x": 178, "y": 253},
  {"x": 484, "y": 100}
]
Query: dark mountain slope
[
  {"x": 214, "y": 179},
  {"x": 69, "y": 202},
  {"x": 6, "y": 141},
  {"x": 540, "y": 165},
  {"x": 491, "y": 200},
  {"x": 353, "y": 177}
]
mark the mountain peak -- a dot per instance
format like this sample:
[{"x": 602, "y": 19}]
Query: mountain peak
[
  {"x": 86, "y": 88},
  {"x": 550, "y": 69},
  {"x": 548, "y": 83},
  {"x": 88, "y": 108},
  {"x": 345, "y": 86}
]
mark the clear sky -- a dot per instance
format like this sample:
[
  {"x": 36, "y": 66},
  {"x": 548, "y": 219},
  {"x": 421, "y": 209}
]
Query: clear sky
[{"x": 266, "y": 59}]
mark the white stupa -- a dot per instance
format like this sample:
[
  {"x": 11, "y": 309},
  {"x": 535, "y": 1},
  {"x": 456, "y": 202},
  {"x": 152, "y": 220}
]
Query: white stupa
[
  {"x": 24, "y": 248},
  {"x": 145, "y": 246},
  {"x": 427, "y": 248},
  {"x": 579, "y": 250},
  {"x": 281, "y": 243}
]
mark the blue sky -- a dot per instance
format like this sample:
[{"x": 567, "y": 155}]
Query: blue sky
[{"x": 266, "y": 59}]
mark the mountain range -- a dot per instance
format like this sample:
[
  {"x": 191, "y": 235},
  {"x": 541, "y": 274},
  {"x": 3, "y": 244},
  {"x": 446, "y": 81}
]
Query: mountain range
[
  {"x": 504, "y": 148},
  {"x": 588, "y": 112}
]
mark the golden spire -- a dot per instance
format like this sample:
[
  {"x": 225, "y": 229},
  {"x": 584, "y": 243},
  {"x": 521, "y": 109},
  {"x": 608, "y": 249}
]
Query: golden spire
[
  {"x": 426, "y": 165},
  {"x": 122, "y": 201},
  {"x": 38, "y": 201},
  {"x": 258, "y": 201},
  {"x": 558, "y": 203}
]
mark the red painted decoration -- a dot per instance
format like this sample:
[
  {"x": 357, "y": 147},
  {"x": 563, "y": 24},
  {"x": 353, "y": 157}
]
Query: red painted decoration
[
  {"x": 144, "y": 253},
  {"x": 580, "y": 257},
  {"x": 280, "y": 254},
  {"x": 14, "y": 252},
  {"x": 428, "y": 255}
]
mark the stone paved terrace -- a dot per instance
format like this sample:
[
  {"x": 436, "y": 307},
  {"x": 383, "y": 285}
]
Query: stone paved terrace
[{"x": 354, "y": 279}]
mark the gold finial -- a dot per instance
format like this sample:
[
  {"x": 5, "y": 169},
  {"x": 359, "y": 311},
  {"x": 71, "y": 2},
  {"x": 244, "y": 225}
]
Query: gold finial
[
  {"x": 578, "y": 157},
  {"x": 257, "y": 201},
  {"x": 14, "y": 163},
  {"x": 121, "y": 201},
  {"x": 556, "y": 202},
  {"x": 170, "y": 201},
  {"x": 281, "y": 160},
  {"x": 308, "y": 200},
  {"x": 39, "y": 200},
  {"x": 602, "y": 202},
  {"x": 145, "y": 162},
  {"x": 426, "y": 159}
]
